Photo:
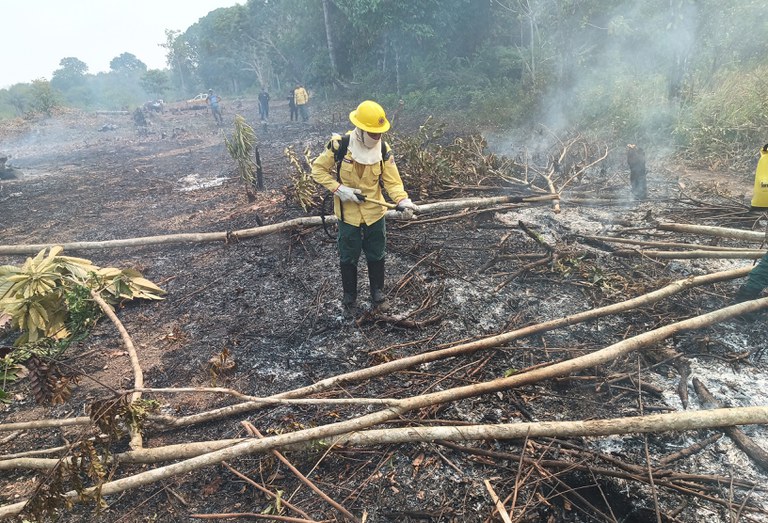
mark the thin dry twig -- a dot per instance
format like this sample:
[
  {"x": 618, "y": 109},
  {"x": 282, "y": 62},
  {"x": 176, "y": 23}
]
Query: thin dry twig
[
  {"x": 236, "y": 515},
  {"x": 266, "y": 491},
  {"x": 253, "y": 430},
  {"x": 689, "y": 451},
  {"x": 497, "y": 502},
  {"x": 645, "y": 444}
]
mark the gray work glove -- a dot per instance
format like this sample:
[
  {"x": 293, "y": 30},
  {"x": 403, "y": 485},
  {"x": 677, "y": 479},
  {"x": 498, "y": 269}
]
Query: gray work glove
[
  {"x": 347, "y": 194},
  {"x": 407, "y": 208}
]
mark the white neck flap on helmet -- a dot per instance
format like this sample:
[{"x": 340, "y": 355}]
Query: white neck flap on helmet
[{"x": 364, "y": 149}]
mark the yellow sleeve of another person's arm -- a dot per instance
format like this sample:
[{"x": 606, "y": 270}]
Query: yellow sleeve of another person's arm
[{"x": 322, "y": 169}]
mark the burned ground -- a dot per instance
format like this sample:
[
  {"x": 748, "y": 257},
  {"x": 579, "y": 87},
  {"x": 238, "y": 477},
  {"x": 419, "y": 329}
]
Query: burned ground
[{"x": 270, "y": 307}]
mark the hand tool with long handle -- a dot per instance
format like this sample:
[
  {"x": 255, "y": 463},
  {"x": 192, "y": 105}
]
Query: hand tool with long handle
[{"x": 388, "y": 205}]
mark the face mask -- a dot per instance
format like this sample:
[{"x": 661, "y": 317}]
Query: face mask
[
  {"x": 369, "y": 142},
  {"x": 364, "y": 149}
]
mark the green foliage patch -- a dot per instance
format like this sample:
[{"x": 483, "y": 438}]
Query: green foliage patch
[
  {"x": 726, "y": 126},
  {"x": 48, "y": 300}
]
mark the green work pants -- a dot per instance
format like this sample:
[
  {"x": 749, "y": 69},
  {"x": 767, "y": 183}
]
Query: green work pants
[
  {"x": 758, "y": 278},
  {"x": 370, "y": 239}
]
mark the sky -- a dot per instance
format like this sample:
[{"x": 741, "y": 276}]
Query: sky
[{"x": 36, "y": 34}]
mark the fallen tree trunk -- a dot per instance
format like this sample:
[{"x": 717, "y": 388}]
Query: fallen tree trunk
[
  {"x": 675, "y": 421},
  {"x": 169, "y": 238},
  {"x": 708, "y": 230},
  {"x": 560, "y": 369},
  {"x": 692, "y": 255},
  {"x": 233, "y": 236},
  {"x": 678, "y": 245},
  {"x": 45, "y": 423},
  {"x": 669, "y": 422},
  {"x": 139, "y": 456}
]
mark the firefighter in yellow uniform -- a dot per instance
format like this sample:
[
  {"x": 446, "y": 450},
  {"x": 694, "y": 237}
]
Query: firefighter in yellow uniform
[
  {"x": 365, "y": 164},
  {"x": 300, "y": 99}
]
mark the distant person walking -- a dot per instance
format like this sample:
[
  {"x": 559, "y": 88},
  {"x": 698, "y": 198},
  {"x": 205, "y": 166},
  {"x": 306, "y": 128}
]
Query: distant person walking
[
  {"x": 264, "y": 105},
  {"x": 302, "y": 97},
  {"x": 213, "y": 101},
  {"x": 292, "y": 105}
]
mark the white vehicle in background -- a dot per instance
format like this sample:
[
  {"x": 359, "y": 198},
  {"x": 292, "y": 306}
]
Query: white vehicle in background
[{"x": 198, "y": 102}]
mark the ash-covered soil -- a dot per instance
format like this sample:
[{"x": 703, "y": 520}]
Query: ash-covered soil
[{"x": 271, "y": 306}]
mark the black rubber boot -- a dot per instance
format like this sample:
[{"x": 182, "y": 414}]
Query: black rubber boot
[
  {"x": 349, "y": 285},
  {"x": 376, "y": 279}
]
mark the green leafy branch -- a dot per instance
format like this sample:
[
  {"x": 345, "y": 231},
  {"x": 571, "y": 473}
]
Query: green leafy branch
[
  {"x": 303, "y": 188},
  {"x": 37, "y": 295},
  {"x": 241, "y": 146},
  {"x": 48, "y": 300}
]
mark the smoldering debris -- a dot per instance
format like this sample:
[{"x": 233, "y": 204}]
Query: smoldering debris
[{"x": 272, "y": 305}]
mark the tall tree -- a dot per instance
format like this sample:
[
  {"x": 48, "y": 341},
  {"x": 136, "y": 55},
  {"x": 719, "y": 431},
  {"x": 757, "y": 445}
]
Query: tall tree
[
  {"x": 725, "y": 37},
  {"x": 329, "y": 37},
  {"x": 218, "y": 39},
  {"x": 71, "y": 73},
  {"x": 127, "y": 63},
  {"x": 18, "y": 96},
  {"x": 402, "y": 41},
  {"x": 181, "y": 58}
]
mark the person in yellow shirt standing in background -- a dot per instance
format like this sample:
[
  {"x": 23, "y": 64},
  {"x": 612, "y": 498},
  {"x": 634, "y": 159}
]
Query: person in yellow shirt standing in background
[
  {"x": 301, "y": 97},
  {"x": 363, "y": 162}
]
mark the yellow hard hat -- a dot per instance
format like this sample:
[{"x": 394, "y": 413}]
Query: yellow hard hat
[{"x": 370, "y": 116}]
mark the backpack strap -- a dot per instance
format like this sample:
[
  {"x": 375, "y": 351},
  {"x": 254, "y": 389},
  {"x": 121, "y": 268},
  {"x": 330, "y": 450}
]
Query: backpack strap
[
  {"x": 341, "y": 144},
  {"x": 384, "y": 157},
  {"x": 340, "y": 152}
]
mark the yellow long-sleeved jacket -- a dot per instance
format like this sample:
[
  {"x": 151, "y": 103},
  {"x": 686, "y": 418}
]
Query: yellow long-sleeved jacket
[
  {"x": 359, "y": 176},
  {"x": 300, "y": 96}
]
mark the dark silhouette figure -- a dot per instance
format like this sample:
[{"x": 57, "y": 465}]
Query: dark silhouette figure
[
  {"x": 292, "y": 105},
  {"x": 637, "y": 171},
  {"x": 264, "y": 105}
]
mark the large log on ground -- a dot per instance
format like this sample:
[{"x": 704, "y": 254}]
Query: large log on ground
[
  {"x": 242, "y": 234},
  {"x": 708, "y": 230}
]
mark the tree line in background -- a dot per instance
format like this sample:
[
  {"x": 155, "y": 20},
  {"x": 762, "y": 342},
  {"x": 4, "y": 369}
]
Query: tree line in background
[
  {"x": 688, "y": 74},
  {"x": 128, "y": 83}
]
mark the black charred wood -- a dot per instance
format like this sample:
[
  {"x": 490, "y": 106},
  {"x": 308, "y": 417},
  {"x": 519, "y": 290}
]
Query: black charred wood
[
  {"x": 259, "y": 171},
  {"x": 637, "y": 171}
]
